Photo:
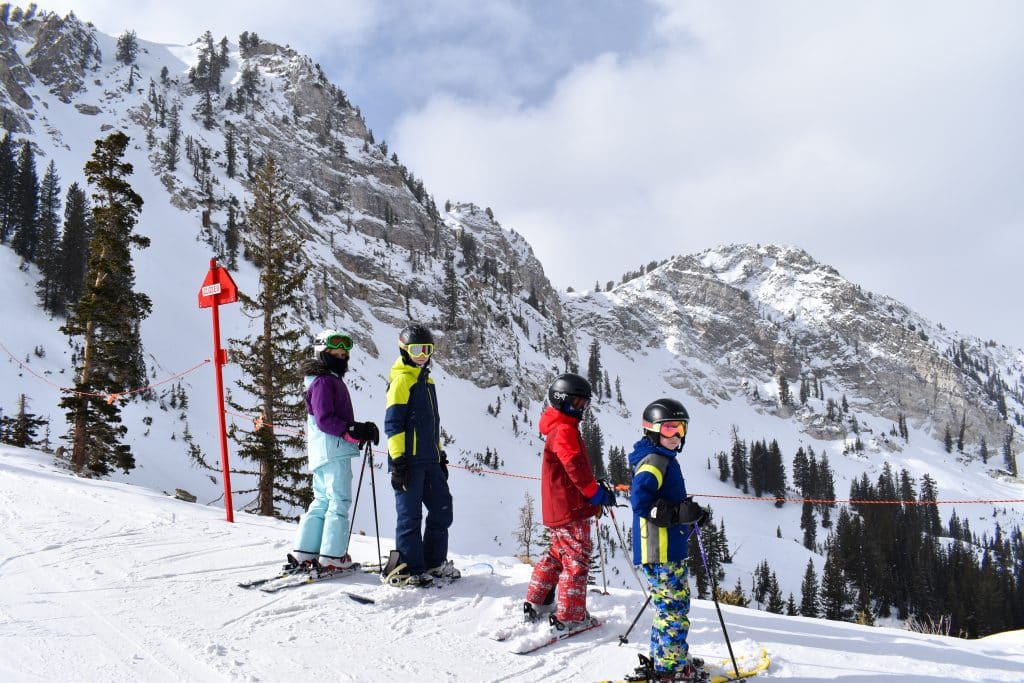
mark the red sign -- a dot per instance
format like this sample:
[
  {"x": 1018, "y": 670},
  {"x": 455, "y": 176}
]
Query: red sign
[{"x": 218, "y": 289}]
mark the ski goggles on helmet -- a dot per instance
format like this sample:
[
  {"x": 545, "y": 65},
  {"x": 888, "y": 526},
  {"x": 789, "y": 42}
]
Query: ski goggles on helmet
[
  {"x": 339, "y": 341},
  {"x": 667, "y": 429},
  {"x": 419, "y": 350},
  {"x": 579, "y": 403}
]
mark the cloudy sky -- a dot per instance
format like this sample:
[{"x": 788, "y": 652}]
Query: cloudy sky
[{"x": 886, "y": 139}]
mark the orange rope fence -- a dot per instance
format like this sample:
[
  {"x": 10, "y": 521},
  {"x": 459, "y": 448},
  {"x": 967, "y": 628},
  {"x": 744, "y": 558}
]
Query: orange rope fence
[{"x": 110, "y": 397}]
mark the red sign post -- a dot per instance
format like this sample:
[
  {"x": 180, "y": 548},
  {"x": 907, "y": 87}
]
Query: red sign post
[{"x": 218, "y": 288}]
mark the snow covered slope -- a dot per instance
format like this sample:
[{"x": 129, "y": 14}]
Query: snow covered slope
[{"x": 108, "y": 581}]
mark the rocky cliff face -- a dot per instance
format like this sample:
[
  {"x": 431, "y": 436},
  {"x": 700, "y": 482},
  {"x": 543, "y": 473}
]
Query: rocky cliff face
[{"x": 738, "y": 318}]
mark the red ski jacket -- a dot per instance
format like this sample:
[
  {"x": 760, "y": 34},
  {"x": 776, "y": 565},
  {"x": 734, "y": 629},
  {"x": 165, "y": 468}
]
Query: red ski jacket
[{"x": 566, "y": 478}]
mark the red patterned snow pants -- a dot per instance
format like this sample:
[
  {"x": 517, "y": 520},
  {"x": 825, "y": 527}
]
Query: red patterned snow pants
[{"x": 566, "y": 564}]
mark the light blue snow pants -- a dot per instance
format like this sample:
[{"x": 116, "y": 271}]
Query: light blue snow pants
[{"x": 324, "y": 527}]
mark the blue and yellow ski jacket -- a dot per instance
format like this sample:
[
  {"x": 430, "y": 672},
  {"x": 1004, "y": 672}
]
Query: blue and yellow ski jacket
[
  {"x": 656, "y": 477},
  {"x": 411, "y": 421}
]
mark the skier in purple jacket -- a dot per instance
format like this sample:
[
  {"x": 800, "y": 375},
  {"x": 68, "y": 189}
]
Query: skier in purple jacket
[{"x": 333, "y": 439}]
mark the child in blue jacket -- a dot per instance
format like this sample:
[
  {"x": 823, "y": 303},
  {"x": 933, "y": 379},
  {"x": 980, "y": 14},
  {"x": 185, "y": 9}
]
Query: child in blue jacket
[{"x": 663, "y": 516}]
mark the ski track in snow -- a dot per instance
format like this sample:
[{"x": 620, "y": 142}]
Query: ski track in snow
[{"x": 106, "y": 581}]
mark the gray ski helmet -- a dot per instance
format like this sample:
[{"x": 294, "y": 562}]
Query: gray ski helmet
[
  {"x": 569, "y": 394},
  {"x": 664, "y": 410}
]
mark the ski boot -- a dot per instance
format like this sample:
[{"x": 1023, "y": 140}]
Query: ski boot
[{"x": 691, "y": 672}]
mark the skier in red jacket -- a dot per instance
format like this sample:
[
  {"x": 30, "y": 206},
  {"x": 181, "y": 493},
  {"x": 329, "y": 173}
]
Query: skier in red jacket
[{"x": 570, "y": 496}]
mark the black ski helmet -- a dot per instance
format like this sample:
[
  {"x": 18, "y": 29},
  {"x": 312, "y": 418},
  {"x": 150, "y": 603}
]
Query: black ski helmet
[
  {"x": 663, "y": 410},
  {"x": 569, "y": 394},
  {"x": 414, "y": 333}
]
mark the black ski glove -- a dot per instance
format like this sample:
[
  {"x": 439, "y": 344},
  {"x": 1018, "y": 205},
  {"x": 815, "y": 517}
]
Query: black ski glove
[
  {"x": 664, "y": 514},
  {"x": 444, "y": 464},
  {"x": 364, "y": 432},
  {"x": 400, "y": 474},
  {"x": 691, "y": 513}
]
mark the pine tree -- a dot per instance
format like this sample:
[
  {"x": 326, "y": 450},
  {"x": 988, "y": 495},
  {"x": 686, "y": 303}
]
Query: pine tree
[
  {"x": 21, "y": 429},
  {"x": 48, "y": 252},
  {"x": 231, "y": 237},
  {"x": 74, "y": 246},
  {"x": 931, "y": 521},
  {"x": 758, "y": 468},
  {"x": 107, "y": 317},
  {"x": 127, "y": 47},
  {"x": 594, "y": 367},
  {"x": 8, "y": 173},
  {"x": 791, "y": 609},
  {"x": 451, "y": 294},
  {"x": 836, "y": 596},
  {"x": 723, "y": 466},
  {"x": 801, "y": 472},
  {"x": 230, "y": 153},
  {"x": 820, "y": 485},
  {"x": 809, "y": 526},
  {"x": 776, "y": 479},
  {"x": 809, "y": 592},
  {"x": 785, "y": 397},
  {"x": 26, "y": 207},
  {"x": 593, "y": 441},
  {"x": 776, "y": 604},
  {"x": 618, "y": 466},
  {"x": 171, "y": 154},
  {"x": 1008, "y": 458},
  {"x": 762, "y": 583},
  {"x": 739, "y": 462},
  {"x": 270, "y": 361}
]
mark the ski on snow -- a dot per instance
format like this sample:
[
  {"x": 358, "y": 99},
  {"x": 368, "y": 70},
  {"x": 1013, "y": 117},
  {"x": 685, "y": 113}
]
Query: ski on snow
[
  {"x": 722, "y": 672},
  {"x": 294, "y": 577},
  {"x": 559, "y": 636}
]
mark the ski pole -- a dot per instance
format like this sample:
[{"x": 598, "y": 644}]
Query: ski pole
[
  {"x": 373, "y": 490},
  {"x": 600, "y": 551},
  {"x": 622, "y": 542},
  {"x": 624, "y": 638},
  {"x": 714, "y": 596},
  {"x": 355, "y": 504}
]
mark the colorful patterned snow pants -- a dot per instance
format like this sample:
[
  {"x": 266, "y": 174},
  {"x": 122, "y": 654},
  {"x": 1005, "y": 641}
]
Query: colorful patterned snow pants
[
  {"x": 670, "y": 593},
  {"x": 566, "y": 564}
]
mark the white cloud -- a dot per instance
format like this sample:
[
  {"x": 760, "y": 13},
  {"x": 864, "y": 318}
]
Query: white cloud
[{"x": 883, "y": 139}]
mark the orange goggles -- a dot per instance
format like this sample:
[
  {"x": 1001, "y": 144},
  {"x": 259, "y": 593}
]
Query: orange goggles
[
  {"x": 667, "y": 429},
  {"x": 419, "y": 350}
]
